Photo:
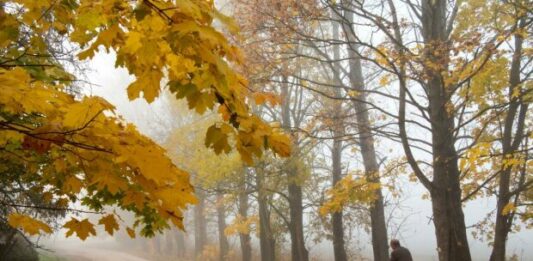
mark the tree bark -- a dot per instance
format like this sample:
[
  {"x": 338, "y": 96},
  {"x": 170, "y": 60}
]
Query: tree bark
[
  {"x": 267, "y": 243},
  {"x": 339, "y": 252},
  {"x": 509, "y": 146},
  {"x": 169, "y": 242},
  {"x": 156, "y": 244},
  {"x": 221, "y": 222},
  {"x": 298, "y": 250},
  {"x": 448, "y": 216},
  {"x": 245, "y": 240},
  {"x": 200, "y": 233},
  {"x": 336, "y": 219},
  {"x": 180, "y": 244},
  {"x": 368, "y": 153}
]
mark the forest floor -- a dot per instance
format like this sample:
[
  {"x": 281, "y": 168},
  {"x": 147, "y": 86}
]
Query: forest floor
[{"x": 90, "y": 254}]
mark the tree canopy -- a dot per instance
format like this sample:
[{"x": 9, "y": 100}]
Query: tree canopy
[{"x": 72, "y": 148}]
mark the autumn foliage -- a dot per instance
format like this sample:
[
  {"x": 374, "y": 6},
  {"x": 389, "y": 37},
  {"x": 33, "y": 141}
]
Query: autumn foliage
[{"x": 73, "y": 148}]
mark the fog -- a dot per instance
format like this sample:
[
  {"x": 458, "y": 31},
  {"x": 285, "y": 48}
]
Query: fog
[{"x": 412, "y": 225}]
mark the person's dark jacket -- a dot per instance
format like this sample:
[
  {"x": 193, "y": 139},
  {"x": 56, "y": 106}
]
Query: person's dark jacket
[{"x": 401, "y": 254}]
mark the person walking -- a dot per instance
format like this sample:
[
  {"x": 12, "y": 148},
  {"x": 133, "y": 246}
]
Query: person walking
[{"x": 399, "y": 253}]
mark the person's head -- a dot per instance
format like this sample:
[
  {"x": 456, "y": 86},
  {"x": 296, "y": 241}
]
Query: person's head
[{"x": 395, "y": 243}]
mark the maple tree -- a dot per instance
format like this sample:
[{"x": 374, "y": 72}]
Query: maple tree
[{"x": 90, "y": 155}]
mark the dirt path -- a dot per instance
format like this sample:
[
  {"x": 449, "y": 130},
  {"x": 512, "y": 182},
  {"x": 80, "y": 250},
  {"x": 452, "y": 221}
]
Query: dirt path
[{"x": 94, "y": 254}]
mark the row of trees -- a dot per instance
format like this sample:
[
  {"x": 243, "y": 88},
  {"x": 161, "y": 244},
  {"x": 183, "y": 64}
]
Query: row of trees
[{"x": 447, "y": 83}]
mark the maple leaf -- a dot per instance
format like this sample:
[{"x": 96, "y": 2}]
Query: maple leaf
[
  {"x": 280, "y": 143},
  {"x": 148, "y": 83},
  {"x": 261, "y": 98},
  {"x": 135, "y": 198},
  {"x": 131, "y": 232},
  {"x": 79, "y": 114},
  {"x": 113, "y": 183},
  {"x": 217, "y": 138},
  {"x": 110, "y": 223},
  {"x": 72, "y": 185},
  {"x": 28, "y": 224},
  {"x": 82, "y": 228}
]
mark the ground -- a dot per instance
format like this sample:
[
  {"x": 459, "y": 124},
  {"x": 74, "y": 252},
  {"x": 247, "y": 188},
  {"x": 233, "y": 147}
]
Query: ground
[{"x": 87, "y": 254}]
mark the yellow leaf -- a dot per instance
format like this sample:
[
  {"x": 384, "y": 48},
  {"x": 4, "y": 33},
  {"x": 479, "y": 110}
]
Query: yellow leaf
[
  {"x": 82, "y": 228},
  {"x": 133, "y": 43},
  {"x": 509, "y": 208},
  {"x": 383, "y": 81},
  {"x": 72, "y": 185},
  {"x": 261, "y": 98},
  {"x": 82, "y": 113},
  {"x": 280, "y": 143},
  {"x": 109, "y": 222},
  {"x": 28, "y": 224},
  {"x": 10, "y": 137},
  {"x": 169, "y": 199},
  {"x": 227, "y": 21},
  {"x": 218, "y": 140},
  {"x": 131, "y": 232},
  {"x": 148, "y": 83},
  {"x": 110, "y": 181},
  {"x": 223, "y": 110},
  {"x": 133, "y": 197},
  {"x": 353, "y": 93}
]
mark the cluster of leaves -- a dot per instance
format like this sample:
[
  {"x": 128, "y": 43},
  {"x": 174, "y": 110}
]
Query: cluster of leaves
[
  {"x": 19, "y": 188},
  {"x": 208, "y": 168},
  {"x": 176, "y": 40},
  {"x": 241, "y": 225},
  {"x": 349, "y": 190},
  {"x": 89, "y": 152},
  {"x": 94, "y": 158}
]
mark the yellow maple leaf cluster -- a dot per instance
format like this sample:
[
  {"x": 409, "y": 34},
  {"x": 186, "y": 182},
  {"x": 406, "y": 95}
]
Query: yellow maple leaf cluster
[
  {"x": 241, "y": 225},
  {"x": 85, "y": 152},
  {"x": 28, "y": 224},
  {"x": 349, "y": 190}
]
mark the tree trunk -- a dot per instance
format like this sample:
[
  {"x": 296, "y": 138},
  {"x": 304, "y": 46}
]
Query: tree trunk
[
  {"x": 336, "y": 219},
  {"x": 267, "y": 243},
  {"x": 339, "y": 252},
  {"x": 448, "y": 216},
  {"x": 368, "y": 153},
  {"x": 298, "y": 250},
  {"x": 180, "y": 244},
  {"x": 245, "y": 240},
  {"x": 509, "y": 146},
  {"x": 169, "y": 242},
  {"x": 200, "y": 233},
  {"x": 221, "y": 221}
]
